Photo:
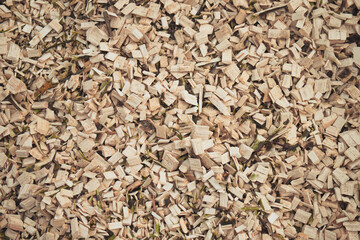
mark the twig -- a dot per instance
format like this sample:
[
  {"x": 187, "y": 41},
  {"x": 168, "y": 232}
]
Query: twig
[
  {"x": 202, "y": 6},
  {"x": 263, "y": 220},
  {"x": 269, "y": 10},
  {"x": 107, "y": 22},
  {"x": 68, "y": 77},
  {"x": 16, "y": 104},
  {"x": 55, "y": 45},
  {"x": 37, "y": 144}
]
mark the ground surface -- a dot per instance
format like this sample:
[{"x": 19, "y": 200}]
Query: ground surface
[{"x": 179, "y": 119}]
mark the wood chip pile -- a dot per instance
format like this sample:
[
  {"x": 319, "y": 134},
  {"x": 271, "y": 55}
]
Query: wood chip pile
[{"x": 185, "y": 119}]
